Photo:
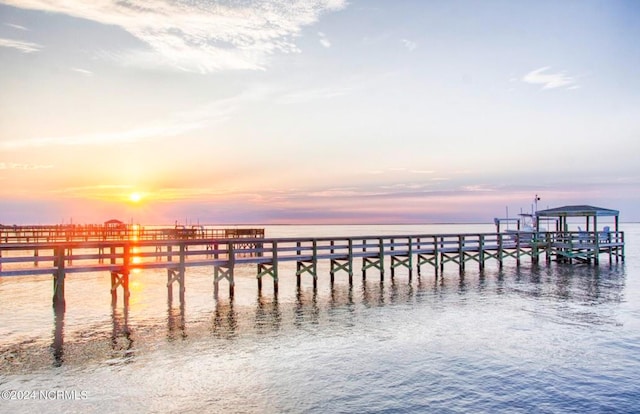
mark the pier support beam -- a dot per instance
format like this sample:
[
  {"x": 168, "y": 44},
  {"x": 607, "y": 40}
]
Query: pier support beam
[
  {"x": 177, "y": 275},
  {"x": 220, "y": 273},
  {"x": 429, "y": 257},
  {"x": 120, "y": 279},
  {"x": 225, "y": 272},
  {"x": 308, "y": 266},
  {"x": 374, "y": 261},
  {"x": 269, "y": 268},
  {"x": 58, "y": 280},
  {"x": 338, "y": 264},
  {"x": 342, "y": 263},
  {"x": 401, "y": 260}
]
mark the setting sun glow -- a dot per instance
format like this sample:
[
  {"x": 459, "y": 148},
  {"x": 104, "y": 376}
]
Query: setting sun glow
[{"x": 135, "y": 197}]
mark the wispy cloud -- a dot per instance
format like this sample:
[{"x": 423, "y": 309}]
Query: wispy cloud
[
  {"x": 16, "y": 26},
  {"x": 201, "y": 36},
  {"x": 323, "y": 40},
  {"x": 175, "y": 125},
  {"x": 126, "y": 136},
  {"x": 25, "y": 47},
  {"x": 313, "y": 94},
  {"x": 82, "y": 71},
  {"x": 21, "y": 166},
  {"x": 548, "y": 80},
  {"x": 410, "y": 45}
]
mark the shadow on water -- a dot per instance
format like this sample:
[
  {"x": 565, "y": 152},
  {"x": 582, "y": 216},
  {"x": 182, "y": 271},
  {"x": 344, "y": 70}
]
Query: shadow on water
[
  {"x": 121, "y": 335},
  {"x": 268, "y": 315},
  {"x": 306, "y": 310},
  {"x": 176, "y": 323},
  {"x": 224, "y": 323}
]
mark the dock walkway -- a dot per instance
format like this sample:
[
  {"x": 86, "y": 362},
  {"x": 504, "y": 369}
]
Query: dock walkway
[{"x": 86, "y": 252}]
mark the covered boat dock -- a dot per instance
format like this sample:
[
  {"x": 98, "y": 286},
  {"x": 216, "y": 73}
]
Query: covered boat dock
[{"x": 588, "y": 243}]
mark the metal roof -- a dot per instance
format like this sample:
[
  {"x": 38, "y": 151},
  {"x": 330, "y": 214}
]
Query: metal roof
[{"x": 577, "y": 211}]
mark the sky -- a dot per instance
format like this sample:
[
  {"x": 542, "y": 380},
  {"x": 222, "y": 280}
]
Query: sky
[{"x": 316, "y": 111}]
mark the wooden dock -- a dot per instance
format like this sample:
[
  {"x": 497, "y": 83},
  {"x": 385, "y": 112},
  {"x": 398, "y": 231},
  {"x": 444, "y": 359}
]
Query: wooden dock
[
  {"x": 118, "y": 231},
  {"x": 48, "y": 255}
]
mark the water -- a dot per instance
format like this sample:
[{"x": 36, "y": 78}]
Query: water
[{"x": 548, "y": 338}]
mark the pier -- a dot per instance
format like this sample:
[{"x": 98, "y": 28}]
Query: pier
[{"x": 345, "y": 255}]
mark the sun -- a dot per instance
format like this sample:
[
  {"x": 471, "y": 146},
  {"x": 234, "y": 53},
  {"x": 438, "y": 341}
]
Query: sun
[{"x": 135, "y": 197}]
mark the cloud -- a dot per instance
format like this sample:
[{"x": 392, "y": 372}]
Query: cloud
[
  {"x": 25, "y": 47},
  {"x": 175, "y": 125},
  {"x": 550, "y": 80},
  {"x": 20, "y": 166},
  {"x": 16, "y": 26},
  {"x": 410, "y": 45},
  {"x": 323, "y": 40},
  {"x": 200, "y": 35},
  {"x": 82, "y": 71},
  {"x": 313, "y": 94},
  {"x": 105, "y": 138}
]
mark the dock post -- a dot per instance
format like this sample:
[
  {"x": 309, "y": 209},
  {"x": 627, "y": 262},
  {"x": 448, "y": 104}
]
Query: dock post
[
  {"x": 393, "y": 267},
  {"x": 350, "y": 261},
  {"x": 442, "y": 256},
  {"x": 58, "y": 279},
  {"x": 183, "y": 249},
  {"x": 381, "y": 258},
  {"x": 481, "y": 252},
  {"x": 418, "y": 257},
  {"x": 274, "y": 273},
  {"x": 461, "y": 253},
  {"x": 410, "y": 259},
  {"x": 298, "y": 281},
  {"x": 500, "y": 249},
  {"x": 70, "y": 255},
  {"x": 435, "y": 255},
  {"x": 315, "y": 264},
  {"x": 232, "y": 261}
]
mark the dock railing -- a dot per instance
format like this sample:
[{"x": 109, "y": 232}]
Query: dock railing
[
  {"x": 176, "y": 254},
  {"x": 99, "y": 232}
]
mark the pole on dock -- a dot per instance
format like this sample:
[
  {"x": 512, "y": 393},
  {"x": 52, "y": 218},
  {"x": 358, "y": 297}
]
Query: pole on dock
[{"x": 58, "y": 279}]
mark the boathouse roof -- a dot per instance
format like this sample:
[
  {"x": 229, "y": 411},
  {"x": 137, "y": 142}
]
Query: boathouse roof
[{"x": 577, "y": 211}]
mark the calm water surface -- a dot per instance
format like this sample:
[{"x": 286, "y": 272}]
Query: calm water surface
[{"x": 548, "y": 338}]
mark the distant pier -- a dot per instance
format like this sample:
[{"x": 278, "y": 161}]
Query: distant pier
[{"x": 38, "y": 250}]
